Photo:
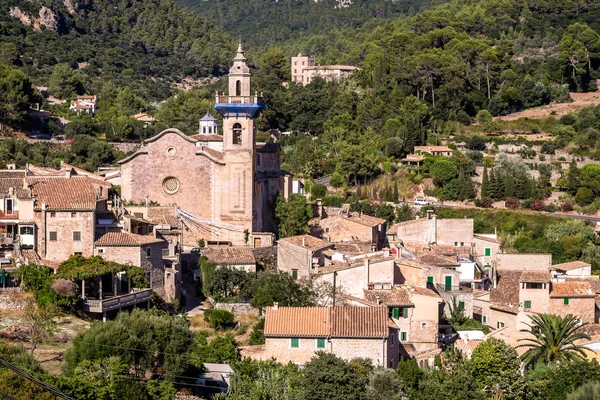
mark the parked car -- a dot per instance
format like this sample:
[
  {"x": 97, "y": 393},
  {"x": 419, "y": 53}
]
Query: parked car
[{"x": 421, "y": 202}]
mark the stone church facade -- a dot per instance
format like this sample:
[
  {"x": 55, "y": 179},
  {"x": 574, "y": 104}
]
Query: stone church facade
[{"x": 226, "y": 185}]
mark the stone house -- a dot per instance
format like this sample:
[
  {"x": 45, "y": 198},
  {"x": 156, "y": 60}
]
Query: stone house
[
  {"x": 65, "y": 209},
  {"x": 304, "y": 70},
  {"x": 239, "y": 257},
  {"x": 342, "y": 225},
  {"x": 84, "y": 105},
  {"x": 294, "y": 334},
  {"x": 573, "y": 269},
  {"x": 436, "y": 151},
  {"x": 301, "y": 255},
  {"x": 573, "y": 297},
  {"x": 481, "y": 306},
  {"x": 145, "y": 251}
]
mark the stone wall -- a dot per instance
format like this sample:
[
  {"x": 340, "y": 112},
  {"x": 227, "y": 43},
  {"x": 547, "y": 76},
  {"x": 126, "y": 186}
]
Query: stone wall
[
  {"x": 290, "y": 257},
  {"x": 509, "y": 320},
  {"x": 539, "y": 298},
  {"x": 237, "y": 308},
  {"x": 520, "y": 262},
  {"x": 454, "y": 231},
  {"x": 11, "y": 301},
  {"x": 64, "y": 224},
  {"x": 582, "y": 307},
  {"x": 426, "y": 311},
  {"x": 125, "y": 147},
  {"x": 340, "y": 229}
]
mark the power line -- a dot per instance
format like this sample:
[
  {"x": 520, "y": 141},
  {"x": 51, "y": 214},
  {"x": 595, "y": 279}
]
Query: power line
[
  {"x": 7, "y": 396},
  {"x": 25, "y": 375}
]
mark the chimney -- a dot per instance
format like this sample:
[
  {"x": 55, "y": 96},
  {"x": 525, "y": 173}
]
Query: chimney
[
  {"x": 386, "y": 252},
  {"x": 319, "y": 208},
  {"x": 366, "y": 273},
  {"x": 275, "y": 305},
  {"x": 11, "y": 191},
  {"x": 378, "y": 300},
  {"x": 303, "y": 242}
]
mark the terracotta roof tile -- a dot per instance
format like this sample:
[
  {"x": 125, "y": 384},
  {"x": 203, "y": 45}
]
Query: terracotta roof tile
[
  {"x": 364, "y": 219},
  {"x": 207, "y": 137},
  {"x": 467, "y": 346},
  {"x": 424, "y": 292},
  {"x": 535, "y": 276},
  {"x": 505, "y": 308},
  {"x": 437, "y": 260},
  {"x": 230, "y": 255},
  {"x": 507, "y": 289},
  {"x": 310, "y": 242},
  {"x": 360, "y": 322},
  {"x": 572, "y": 289},
  {"x": 119, "y": 239},
  {"x": 397, "y": 296},
  {"x": 570, "y": 265},
  {"x": 16, "y": 184},
  {"x": 432, "y": 148},
  {"x": 297, "y": 321},
  {"x": 63, "y": 193}
]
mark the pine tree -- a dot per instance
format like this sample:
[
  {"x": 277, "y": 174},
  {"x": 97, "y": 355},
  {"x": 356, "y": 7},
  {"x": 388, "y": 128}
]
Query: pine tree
[
  {"x": 573, "y": 178},
  {"x": 509, "y": 185},
  {"x": 485, "y": 184}
]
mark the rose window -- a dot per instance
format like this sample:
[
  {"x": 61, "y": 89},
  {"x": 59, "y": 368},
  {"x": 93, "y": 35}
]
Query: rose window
[{"x": 171, "y": 185}]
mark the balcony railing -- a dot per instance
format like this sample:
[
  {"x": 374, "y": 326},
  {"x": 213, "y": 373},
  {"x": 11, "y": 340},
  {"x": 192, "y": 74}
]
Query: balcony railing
[
  {"x": 9, "y": 214},
  {"x": 113, "y": 303},
  {"x": 239, "y": 99}
]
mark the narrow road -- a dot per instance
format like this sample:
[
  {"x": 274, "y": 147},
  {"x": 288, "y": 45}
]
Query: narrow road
[{"x": 581, "y": 217}]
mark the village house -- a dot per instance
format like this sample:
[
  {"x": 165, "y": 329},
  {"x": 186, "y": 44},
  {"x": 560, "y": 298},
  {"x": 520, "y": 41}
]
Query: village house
[
  {"x": 304, "y": 70},
  {"x": 145, "y": 251},
  {"x": 147, "y": 119},
  {"x": 301, "y": 255},
  {"x": 295, "y": 334},
  {"x": 84, "y": 105},
  {"x": 339, "y": 225},
  {"x": 239, "y": 257},
  {"x": 435, "y": 151}
]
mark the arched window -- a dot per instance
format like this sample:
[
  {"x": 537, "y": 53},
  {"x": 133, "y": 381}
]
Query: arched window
[
  {"x": 238, "y": 88},
  {"x": 209, "y": 129},
  {"x": 203, "y": 129},
  {"x": 237, "y": 133}
]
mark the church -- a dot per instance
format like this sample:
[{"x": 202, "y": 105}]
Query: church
[{"x": 225, "y": 185}]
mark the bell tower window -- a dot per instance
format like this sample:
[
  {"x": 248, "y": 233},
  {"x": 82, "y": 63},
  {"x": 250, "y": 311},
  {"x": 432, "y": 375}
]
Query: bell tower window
[
  {"x": 237, "y": 133},
  {"x": 238, "y": 88}
]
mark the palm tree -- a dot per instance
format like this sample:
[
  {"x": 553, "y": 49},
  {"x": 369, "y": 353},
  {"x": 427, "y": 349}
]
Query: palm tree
[{"x": 554, "y": 338}]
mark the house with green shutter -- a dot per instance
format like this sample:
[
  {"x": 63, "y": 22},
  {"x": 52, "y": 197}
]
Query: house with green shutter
[{"x": 295, "y": 334}]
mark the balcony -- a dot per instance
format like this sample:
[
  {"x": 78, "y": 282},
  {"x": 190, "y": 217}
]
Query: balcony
[
  {"x": 116, "y": 302},
  {"x": 225, "y": 99},
  {"x": 9, "y": 214}
]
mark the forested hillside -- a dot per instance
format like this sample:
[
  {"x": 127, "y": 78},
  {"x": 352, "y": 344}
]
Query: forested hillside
[
  {"x": 127, "y": 42},
  {"x": 265, "y": 22}
]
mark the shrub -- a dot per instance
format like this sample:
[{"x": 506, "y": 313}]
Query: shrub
[
  {"x": 512, "y": 203},
  {"x": 484, "y": 203},
  {"x": 537, "y": 205},
  {"x": 257, "y": 336},
  {"x": 218, "y": 319},
  {"x": 584, "y": 196},
  {"x": 318, "y": 191},
  {"x": 566, "y": 206},
  {"x": 483, "y": 116},
  {"x": 550, "y": 207}
]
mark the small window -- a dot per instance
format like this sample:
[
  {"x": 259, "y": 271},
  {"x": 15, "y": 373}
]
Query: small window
[
  {"x": 203, "y": 129},
  {"x": 461, "y": 305},
  {"x": 396, "y": 312},
  {"x": 100, "y": 251},
  {"x": 237, "y": 133},
  {"x": 295, "y": 274},
  {"x": 566, "y": 301},
  {"x": 527, "y": 303},
  {"x": 403, "y": 336},
  {"x": 500, "y": 324},
  {"x": 76, "y": 236},
  {"x": 488, "y": 251},
  {"x": 455, "y": 243},
  {"x": 148, "y": 252},
  {"x": 327, "y": 230},
  {"x": 52, "y": 214},
  {"x": 78, "y": 253},
  {"x": 423, "y": 325},
  {"x": 484, "y": 319},
  {"x": 73, "y": 214},
  {"x": 430, "y": 280},
  {"x": 294, "y": 343},
  {"x": 462, "y": 244},
  {"x": 320, "y": 343},
  {"x": 53, "y": 236},
  {"x": 26, "y": 230},
  {"x": 405, "y": 312}
]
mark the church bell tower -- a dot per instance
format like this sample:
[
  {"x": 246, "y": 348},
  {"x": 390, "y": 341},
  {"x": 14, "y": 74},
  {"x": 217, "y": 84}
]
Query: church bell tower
[{"x": 239, "y": 110}]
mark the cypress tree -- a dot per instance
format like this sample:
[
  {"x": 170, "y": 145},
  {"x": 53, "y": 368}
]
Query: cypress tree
[
  {"x": 485, "y": 184},
  {"x": 396, "y": 194},
  {"x": 509, "y": 185}
]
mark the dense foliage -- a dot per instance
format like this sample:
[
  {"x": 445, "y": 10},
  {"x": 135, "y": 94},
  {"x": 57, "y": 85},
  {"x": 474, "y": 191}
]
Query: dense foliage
[{"x": 78, "y": 267}]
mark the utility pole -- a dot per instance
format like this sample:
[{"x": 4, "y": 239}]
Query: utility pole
[{"x": 334, "y": 285}]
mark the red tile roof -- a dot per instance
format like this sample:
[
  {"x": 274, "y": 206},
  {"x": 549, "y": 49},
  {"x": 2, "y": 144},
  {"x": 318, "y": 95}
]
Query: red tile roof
[
  {"x": 507, "y": 289},
  {"x": 310, "y": 242},
  {"x": 360, "y": 322},
  {"x": 397, "y": 296},
  {"x": 437, "y": 260},
  {"x": 572, "y": 289},
  {"x": 61, "y": 193},
  {"x": 535, "y": 276},
  {"x": 125, "y": 239},
  {"x": 570, "y": 265},
  {"x": 230, "y": 255},
  {"x": 207, "y": 137}
]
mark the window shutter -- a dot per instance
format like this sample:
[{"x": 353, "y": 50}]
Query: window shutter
[
  {"x": 430, "y": 280},
  {"x": 403, "y": 336},
  {"x": 320, "y": 343},
  {"x": 488, "y": 251},
  {"x": 405, "y": 312},
  {"x": 527, "y": 303},
  {"x": 566, "y": 301},
  {"x": 295, "y": 343},
  {"x": 461, "y": 305},
  {"x": 484, "y": 319},
  {"x": 295, "y": 274},
  {"x": 396, "y": 312}
]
